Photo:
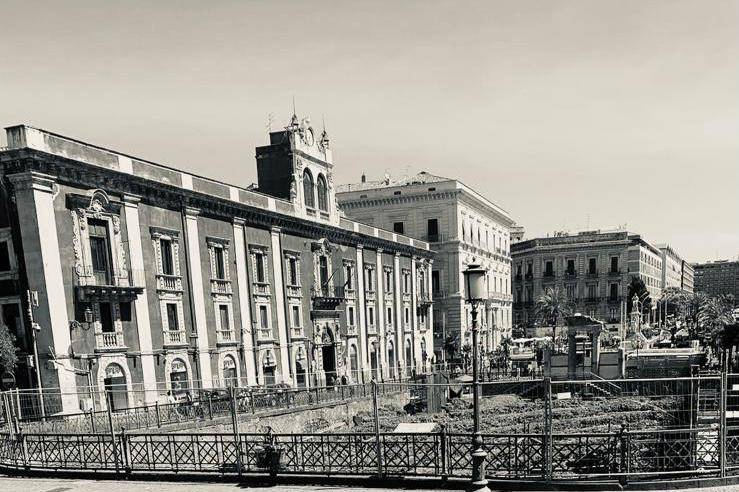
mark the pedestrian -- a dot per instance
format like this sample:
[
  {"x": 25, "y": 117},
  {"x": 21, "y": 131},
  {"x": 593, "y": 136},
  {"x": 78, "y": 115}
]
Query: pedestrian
[{"x": 170, "y": 397}]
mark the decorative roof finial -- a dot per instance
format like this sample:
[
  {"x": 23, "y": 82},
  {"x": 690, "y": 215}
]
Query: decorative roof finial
[{"x": 325, "y": 142}]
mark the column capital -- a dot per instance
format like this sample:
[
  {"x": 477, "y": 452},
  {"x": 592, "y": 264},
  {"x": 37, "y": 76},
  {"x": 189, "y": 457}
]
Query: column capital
[
  {"x": 275, "y": 229},
  {"x": 239, "y": 221},
  {"x": 397, "y": 254},
  {"x": 380, "y": 251},
  {"x": 33, "y": 180},
  {"x": 192, "y": 211},
  {"x": 360, "y": 246},
  {"x": 131, "y": 199}
]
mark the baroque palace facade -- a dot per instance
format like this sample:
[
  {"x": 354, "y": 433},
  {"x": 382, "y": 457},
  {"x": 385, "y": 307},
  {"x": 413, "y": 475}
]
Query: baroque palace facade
[
  {"x": 463, "y": 227},
  {"x": 147, "y": 278}
]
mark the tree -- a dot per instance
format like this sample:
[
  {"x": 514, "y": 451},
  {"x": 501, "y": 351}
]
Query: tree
[
  {"x": 8, "y": 350},
  {"x": 552, "y": 306},
  {"x": 713, "y": 314}
]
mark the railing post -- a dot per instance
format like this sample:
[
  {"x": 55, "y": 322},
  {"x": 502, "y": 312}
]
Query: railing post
[
  {"x": 624, "y": 466},
  {"x": 378, "y": 446},
  {"x": 112, "y": 437},
  {"x": 159, "y": 417},
  {"x": 443, "y": 439},
  {"x": 547, "y": 438},
  {"x": 92, "y": 421},
  {"x": 235, "y": 425},
  {"x": 722, "y": 423},
  {"x": 24, "y": 449},
  {"x": 125, "y": 452},
  {"x": 210, "y": 406}
]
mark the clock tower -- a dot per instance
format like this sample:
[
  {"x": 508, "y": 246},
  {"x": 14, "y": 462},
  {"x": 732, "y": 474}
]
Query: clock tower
[{"x": 297, "y": 166}]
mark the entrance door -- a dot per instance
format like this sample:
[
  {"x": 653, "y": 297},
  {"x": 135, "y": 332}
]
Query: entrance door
[
  {"x": 116, "y": 391},
  {"x": 329, "y": 363},
  {"x": 391, "y": 359},
  {"x": 269, "y": 375},
  {"x": 373, "y": 361},
  {"x": 300, "y": 374}
]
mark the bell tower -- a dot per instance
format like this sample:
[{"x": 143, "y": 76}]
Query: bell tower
[{"x": 297, "y": 166}]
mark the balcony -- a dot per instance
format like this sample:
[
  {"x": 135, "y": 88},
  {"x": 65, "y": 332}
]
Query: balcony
[
  {"x": 226, "y": 337},
  {"x": 370, "y": 295},
  {"x": 175, "y": 337},
  {"x": 424, "y": 299},
  {"x": 220, "y": 286},
  {"x": 518, "y": 277},
  {"x": 112, "y": 341},
  {"x": 260, "y": 288},
  {"x": 296, "y": 332},
  {"x": 102, "y": 286},
  {"x": 440, "y": 293},
  {"x": 570, "y": 274},
  {"x": 592, "y": 273},
  {"x": 529, "y": 276},
  {"x": 293, "y": 291},
  {"x": 592, "y": 300},
  {"x": 614, "y": 273},
  {"x": 169, "y": 283},
  {"x": 371, "y": 329},
  {"x": 350, "y": 293},
  {"x": 265, "y": 335},
  {"x": 435, "y": 238},
  {"x": 327, "y": 297},
  {"x": 351, "y": 330},
  {"x": 614, "y": 299}
]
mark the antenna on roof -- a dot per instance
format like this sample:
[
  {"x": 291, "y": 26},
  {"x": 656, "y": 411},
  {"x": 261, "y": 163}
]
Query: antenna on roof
[{"x": 294, "y": 113}]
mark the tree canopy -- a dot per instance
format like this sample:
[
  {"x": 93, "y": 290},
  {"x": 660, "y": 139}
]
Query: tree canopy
[{"x": 8, "y": 350}]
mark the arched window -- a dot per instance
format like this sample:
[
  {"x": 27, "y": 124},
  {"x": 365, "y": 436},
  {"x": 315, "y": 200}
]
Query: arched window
[
  {"x": 310, "y": 200},
  {"x": 230, "y": 375},
  {"x": 178, "y": 378},
  {"x": 322, "y": 193}
]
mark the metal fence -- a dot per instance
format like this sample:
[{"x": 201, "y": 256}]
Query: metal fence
[{"x": 641, "y": 429}]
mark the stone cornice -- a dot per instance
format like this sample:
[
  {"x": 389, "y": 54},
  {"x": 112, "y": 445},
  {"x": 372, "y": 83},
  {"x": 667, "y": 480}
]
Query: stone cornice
[{"x": 47, "y": 167}]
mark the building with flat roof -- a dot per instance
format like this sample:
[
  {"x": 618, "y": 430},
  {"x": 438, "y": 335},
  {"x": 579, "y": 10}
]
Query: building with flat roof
[
  {"x": 676, "y": 272},
  {"x": 594, "y": 268},
  {"x": 462, "y": 227},
  {"x": 148, "y": 278},
  {"x": 717, "y": 278}
]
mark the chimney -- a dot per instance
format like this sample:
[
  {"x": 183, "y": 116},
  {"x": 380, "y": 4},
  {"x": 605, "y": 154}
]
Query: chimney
[{"x": 364, "y": 178}]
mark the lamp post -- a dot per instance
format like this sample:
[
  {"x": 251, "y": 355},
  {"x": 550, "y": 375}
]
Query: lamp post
[{"x": 474, "y": 280}]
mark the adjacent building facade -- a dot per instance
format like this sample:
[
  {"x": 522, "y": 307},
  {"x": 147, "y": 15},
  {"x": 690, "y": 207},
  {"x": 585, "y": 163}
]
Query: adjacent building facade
[
  {"x": 676, "y": 272},
  {"x": 463, "y": 227},
  {"x": 593, "y": 267},
  {"x": 718, "y": 278},
  {"x": 144, "y": 277}
]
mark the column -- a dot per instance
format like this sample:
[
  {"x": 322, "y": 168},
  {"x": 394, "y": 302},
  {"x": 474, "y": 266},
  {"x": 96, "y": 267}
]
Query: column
[
  {"x": 141, "y": 304},
  {"x": 242, "y": 282},
  {"x": 279, "y": 294},
  {"x": 362, "y": 340},
  {"x": 414, "y": 316},
  {"x": 198, "y": 295},
  {"x": 430, "y": 313},
  {"x": 400, "y": 342},
  {"x": 380, "y": 303},
  {"x": 34, "y": 195}
]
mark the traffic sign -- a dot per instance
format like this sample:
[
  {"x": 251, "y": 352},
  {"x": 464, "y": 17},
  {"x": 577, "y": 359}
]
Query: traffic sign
[{"x": 8, "y": 380}]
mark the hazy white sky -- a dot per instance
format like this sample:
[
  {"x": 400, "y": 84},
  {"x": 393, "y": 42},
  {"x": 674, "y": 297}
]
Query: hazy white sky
[{"x": 563, "y": 112}]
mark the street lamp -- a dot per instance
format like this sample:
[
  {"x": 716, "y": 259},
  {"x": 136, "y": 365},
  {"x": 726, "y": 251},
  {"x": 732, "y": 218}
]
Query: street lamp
[{"x": 474, "y": 282}]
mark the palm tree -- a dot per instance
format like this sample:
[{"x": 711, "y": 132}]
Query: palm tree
[
  {"x": 552, "y": 306},
  {"x": 715, "y": 313}
]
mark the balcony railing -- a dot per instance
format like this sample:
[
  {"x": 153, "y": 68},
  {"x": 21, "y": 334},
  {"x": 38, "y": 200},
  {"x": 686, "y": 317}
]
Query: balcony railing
[
  {"x": 293, "y": 291},
  {"x": 592, "y": 300},
  {"x": 614, "y": 272},
  {"x": 570, "y": 273},
  {"x": 170, "y": 283},
  {"x": 372, "y": 329},
  {"x": 109, "y": 340},
  {"x": 220, "y": 286},
  {"x": 260, "y": 288},
  {"x": 226, "y": 336},
  {"x": 351, "y": 330},
  {"x": 592, "y": 273},
  {"x": 265, "y": 334},
  {"x": 424, "y": 298},
  {"x": 529, "y": 276},
  {"x": 175, "y": 337},
  {"x": 614, "y": 299},
  {"x": 296, "y": 332}
]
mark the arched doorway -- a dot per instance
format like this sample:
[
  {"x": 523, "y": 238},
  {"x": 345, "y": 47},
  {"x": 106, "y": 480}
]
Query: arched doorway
[
  {"x": 328, "y": 354},
  {"x": 300, "y": 378},
  {"x": 391, "y": 358},
  {"x": 268, "y": 368},
  {"x": 408, "y": 357},
  {"x": 116, "y": 390},
  {"x": 178, "y": 378},
  {"x": 354, "y": 363},
  {"x": 230, "y": 375},
  {"x": 424, "y": 355},
  {"x": 374, "y": 361}
]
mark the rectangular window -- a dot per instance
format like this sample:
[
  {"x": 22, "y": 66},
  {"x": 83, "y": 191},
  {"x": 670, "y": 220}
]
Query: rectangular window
[
  {"x": 549, "y": 269},
  {"x": 263, "y": 317},
  {"x": 407, "y": 283},
  {"x": 349, "y": 277},
  {"x": 350, "y": 315},
  {"x": 296, "y": 316},
  {"x": 323, "y": 270},
  {"x": 407, "y": 313},
  {"x": 570, "y": 292},
  {"x": 389, "y": 316},
  {"x": 223, "y": 316},
  {"x": 167, "y": 258},
  {"x": 614, "y": 264},
  {"x": 260, "y": 274},
  {"x": 106, "y": 317},
  {"x": 99, "y": 251},
  {"x": 293, "y": 271},
  {"x": 592, "y": 266},
  {"x": 220, "y": 263},
  {"x": 388, "y": 281},
  {"x": 432, "y": 229},
  {"x": 125, "y": 310},
  {"x": 529, "y": 268},
  {"x": 591, "y": 291},
  {"x": 370, "y": 315},
  {"x": 398, "y": 227},
  {"x": 435, "y": 282},
  {"x": 369, "y": 279},
  {"x": 4, "y": 257},
  {"x": 172, "y": 321},
  {"x": 614, "y": 291},
  {"x": 518, "y": 270},
  {"x": 570, "y": 267}
]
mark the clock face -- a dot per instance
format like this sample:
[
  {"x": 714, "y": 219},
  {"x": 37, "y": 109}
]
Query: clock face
[{"x": 309, "y": 139}]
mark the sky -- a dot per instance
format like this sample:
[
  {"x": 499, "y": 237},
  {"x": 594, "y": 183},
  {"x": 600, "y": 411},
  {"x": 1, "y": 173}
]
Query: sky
[{"x": 570, "y": 115}]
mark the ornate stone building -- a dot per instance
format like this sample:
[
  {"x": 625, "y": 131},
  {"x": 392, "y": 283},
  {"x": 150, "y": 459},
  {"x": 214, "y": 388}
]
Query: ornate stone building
[
  {"x": 463, "y": 227},
  {"x": 150, "y": 279},
  {"x": 593, "y": 267}
]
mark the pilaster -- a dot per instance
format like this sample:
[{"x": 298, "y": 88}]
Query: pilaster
[
  {"x": 242, "y": 283},
  {"x": 198, "y": 295},
  {"x": 34, "y": 195},
  {"x": 416, "y": 331},
  {"x": 282, "y": 334},
  {"x": 361, "y": 316},
  {"x": 141, "y": 305},
  {"x": 380, "y": 303},
  {"x": 399, "y": 341}
]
